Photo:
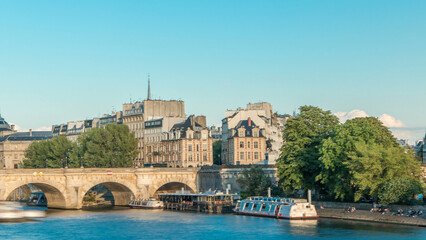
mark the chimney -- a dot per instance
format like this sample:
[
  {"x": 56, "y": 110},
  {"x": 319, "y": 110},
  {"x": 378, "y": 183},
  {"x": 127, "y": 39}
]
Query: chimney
[
  {"x": 201, "y": 120},
  {"x": 249, "y": 121},
  {"x": 31, "y": 132}
]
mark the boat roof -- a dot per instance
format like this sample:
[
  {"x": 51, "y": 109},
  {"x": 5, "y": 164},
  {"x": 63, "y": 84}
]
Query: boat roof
[
  {"x": 206, "y": 194},
  {"x": 277, "y": 199}
]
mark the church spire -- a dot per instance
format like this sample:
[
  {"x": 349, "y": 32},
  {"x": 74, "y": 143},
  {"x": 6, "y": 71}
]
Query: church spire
[{"x": 149, "y": 88}]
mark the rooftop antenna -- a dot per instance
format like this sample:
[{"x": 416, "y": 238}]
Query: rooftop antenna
[{"x": 149, "y": 88}]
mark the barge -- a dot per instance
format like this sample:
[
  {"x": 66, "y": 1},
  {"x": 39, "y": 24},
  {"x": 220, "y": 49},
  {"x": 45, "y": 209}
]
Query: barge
[
  {"x": 288, "y": 208},
  {"x": 209, "y": 202},
  {"x": 146, "y": 203}
]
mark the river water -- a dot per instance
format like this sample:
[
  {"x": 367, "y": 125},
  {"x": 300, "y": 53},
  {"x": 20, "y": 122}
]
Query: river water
[{"x": 159, "y": 224}]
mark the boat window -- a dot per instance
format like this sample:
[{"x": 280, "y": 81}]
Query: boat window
[
  {"x": 254, "y": 206},
  {"x": 263, "y": 208},
  {"x": 246, "y": 206},
  {"x": 308, "y": 206}
]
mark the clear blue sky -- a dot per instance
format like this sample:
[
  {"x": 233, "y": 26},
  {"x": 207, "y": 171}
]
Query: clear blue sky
[{"x": 71, "y": 60}]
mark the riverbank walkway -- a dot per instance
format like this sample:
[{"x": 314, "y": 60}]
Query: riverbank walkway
[{"x": 364, "y": 215}]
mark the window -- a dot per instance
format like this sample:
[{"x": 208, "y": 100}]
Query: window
[
  {"x": 205, "y": 157},
  {"x": 256, "y": 145},
  {"x": 198, "y": 157},
  {"x": 190, "y": 158},
  {"x": 255, "y": 134},
  {"x": 256, "y": 155},
  {"x": 248, "y": 144},
  {"x": 204, "y": 147},
  {"x": 248, "y": 156},
  {"x": 241, "y": 144},
  {"x": 241, "y": 156},
  {"x": 241, "y": 133},
  {"x": 198, "y": 148},
  {"x": 189, "y": 147}
]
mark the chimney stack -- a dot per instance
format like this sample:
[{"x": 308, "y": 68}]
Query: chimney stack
[{"x": 249, "y": 121}]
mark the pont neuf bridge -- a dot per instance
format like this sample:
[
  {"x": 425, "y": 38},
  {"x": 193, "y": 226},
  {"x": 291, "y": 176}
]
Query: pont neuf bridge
[{"x": 65, "y": 188}]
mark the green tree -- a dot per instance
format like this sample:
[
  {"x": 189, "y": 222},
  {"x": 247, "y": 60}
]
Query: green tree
[
  {"x": 109, "y": 147},
  {"x": 53, "y": 153},
  {"x": 217, "y": 152},
  {"x": 255, "y": 182},
  {"x": 298, "y": 165},
  {"x": 400, "y": 190},
  {"x": 359, "y": 157}
]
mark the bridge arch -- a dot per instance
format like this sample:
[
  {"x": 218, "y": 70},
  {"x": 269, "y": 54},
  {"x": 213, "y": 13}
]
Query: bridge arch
[
  {"x": 172, "y": 187},
  {"x": 54, "y": 194},
  {"x": 122, "y": 192}
]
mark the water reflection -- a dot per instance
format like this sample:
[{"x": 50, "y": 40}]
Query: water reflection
[{"x": 124, "y": 223}]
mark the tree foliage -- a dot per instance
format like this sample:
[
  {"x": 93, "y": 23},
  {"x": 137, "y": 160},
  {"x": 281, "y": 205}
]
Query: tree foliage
[
  {"x": 112, "y": 146},
  {"x": 109, "y": 147},
  {"x": 359, "y": 157},
  {"x": 298, "y": 164},
  {"x": 217, "y": 152},
  {"x": 400, "y": 190},
  {"x": 255, "y": 182},
  {"x": 55, "y": 153}
]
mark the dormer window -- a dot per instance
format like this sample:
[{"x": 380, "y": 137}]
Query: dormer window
[
  {"x": 241, "y": 133},
  {"x": 255, "y": 133}
]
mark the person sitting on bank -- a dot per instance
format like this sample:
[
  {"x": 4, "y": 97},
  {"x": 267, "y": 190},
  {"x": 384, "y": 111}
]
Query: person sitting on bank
[{"x": 349, "y": 209}]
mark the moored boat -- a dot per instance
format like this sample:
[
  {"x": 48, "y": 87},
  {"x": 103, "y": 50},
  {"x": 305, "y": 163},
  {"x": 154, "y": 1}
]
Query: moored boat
[
  {"x": 13, "y": 211},
  {"x": 146, "y": 203},
  {"x": 37, "y": 199},
  {"x": 288, "y": 208}
]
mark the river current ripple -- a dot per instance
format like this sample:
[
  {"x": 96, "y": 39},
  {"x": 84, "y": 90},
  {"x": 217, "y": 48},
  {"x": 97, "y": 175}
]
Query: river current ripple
[{"x": 159, "y": 224}]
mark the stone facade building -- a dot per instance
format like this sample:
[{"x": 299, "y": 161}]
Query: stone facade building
[
  {"x": 262, "y": 115},
  {"x": 135, "y": 115},
  {"x": 188, "y": 144},
  {"x": 246, "y": 144},
  {"x": 13, "y": 144},
  {"x": 155, "y": 132}
]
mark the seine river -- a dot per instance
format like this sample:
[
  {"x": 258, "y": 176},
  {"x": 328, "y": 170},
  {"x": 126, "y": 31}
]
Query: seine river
[{"x": 159, "y": 224}]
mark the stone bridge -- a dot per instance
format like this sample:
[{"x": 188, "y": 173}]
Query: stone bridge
[{"x": 66, "y": 188}]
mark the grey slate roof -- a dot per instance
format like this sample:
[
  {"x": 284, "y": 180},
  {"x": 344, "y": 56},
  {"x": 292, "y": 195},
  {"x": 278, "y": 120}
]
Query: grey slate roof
[
  {"x": 25, "y": 136},
  {"x": 249, "y": 129}
]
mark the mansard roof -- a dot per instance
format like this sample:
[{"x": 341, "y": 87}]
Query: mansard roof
[
  {"x": 4, "y": 126},
  {"x": 248, "y": 128},
  {"x": 26, "y": 136}
]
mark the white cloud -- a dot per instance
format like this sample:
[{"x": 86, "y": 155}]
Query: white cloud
[
  {"x": 398, "y": 128},
  {"x": 390, "y": 121},
  {"x": 402, "y": 134},
  {"x": 344, "y": 116},
  {"x": 19, "y": 129},
  {"x": 44, "y": 128}
]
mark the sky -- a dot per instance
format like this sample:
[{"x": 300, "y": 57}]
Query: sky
[{"x": 65, "y": 61}]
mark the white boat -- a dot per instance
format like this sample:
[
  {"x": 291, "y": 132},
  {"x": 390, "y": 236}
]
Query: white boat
[
  {"x": 13, "y": 211},
  {"x": 289, "y": 208},
  {"x": 146, "y": 203}
]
